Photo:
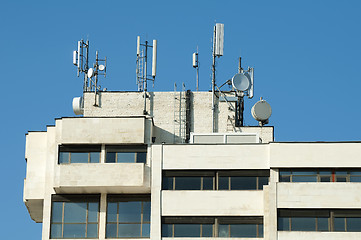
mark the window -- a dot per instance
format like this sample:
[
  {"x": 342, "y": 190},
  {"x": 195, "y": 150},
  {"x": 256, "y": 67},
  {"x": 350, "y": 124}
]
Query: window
[
  {"x": 126, "y": 154},
  {"x": 250, "y": 227},
  {"x": 74, "y": 216},
  {"x": 215, "y": 180},
  {"x": 320, "y": 175},
  {"x": 79, "y": 154},
  {"x": 319, "y": 220},
  {"x": 128, "y": 216}
]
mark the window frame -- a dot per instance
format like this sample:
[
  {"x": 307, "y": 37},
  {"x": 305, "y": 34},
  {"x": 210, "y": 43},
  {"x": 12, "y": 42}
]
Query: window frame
[
  {"x": 333, "y": 174},
  {"x": 117, "y": 149},
  {"x": 78, "y": 148},
  {"x": 72, "y": 198}
]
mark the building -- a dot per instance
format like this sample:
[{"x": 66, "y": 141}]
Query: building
[{"x": 117, "y": 173}]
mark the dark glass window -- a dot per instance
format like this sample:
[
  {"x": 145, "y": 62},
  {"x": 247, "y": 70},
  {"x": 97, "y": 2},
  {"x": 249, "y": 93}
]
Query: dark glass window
[
  {"x": 128, "y": 216},
  {"x": 320, "y": 175},
  {"x": 347, "y": 220},
  {"x": 74, "y": 216},
  {"x": 79, "y": 154},
  {"x": 246, "y": 227},
  {"x": 126, "y": 154}
]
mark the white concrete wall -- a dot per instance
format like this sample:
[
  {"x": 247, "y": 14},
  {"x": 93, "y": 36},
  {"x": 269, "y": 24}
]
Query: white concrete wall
[
  {"x": 101, "y": 178},
  {"x": 103, "y": 130},
  {"x": 252, "y": 156},
  {"x": 283, "y": 155},
  {"x": 319, "y": 195},
  {"x": 212, "y": 203}
]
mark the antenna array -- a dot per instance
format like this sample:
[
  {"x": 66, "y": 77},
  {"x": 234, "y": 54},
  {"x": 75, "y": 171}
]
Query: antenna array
[{"x": 142, "y": 71}]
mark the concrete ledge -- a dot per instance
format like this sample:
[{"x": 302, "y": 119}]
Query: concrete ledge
[
  {"x": 212, "y": 203},
  {"x": 319, "y": 235}
]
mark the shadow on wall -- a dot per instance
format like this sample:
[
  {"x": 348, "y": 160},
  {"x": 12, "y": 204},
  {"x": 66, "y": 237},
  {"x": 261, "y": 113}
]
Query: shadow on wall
[{"x": 163, "y": 136}]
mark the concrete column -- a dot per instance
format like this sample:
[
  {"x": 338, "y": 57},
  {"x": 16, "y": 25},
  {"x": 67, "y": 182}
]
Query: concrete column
[
  {"x": 102, "y": 215},
  {"x": 270, "y": 211},
  {"x": 102, "y": 154},
  {"x": 156, "y": 189},
  {"x": 274, "y": 175}
]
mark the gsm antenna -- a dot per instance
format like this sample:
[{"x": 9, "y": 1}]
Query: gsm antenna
[
  {"x": 91, "y": 75},
  {"x": 142, "y": 71}
]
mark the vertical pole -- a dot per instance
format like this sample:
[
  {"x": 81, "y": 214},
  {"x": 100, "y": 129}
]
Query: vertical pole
[
  {"x": 145, "y": 78},
  {"x": 197, "y": 78},
  {"x": 213, "y": 79}
]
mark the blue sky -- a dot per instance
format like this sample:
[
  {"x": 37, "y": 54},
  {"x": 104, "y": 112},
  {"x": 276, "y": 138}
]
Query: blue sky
[{"x": 306, "y": 56}]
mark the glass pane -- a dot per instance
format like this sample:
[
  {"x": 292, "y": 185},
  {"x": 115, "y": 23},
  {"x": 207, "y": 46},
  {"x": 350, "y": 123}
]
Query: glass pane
[
  {"x": 167, "y": 230},
  {"x": 244, "y": 230},
  {"x": 146, "y": 211},
  {"x": 261, "y": 182},
  {"x": 339, "y": 224},
  {"x": 243, "y": 183},
  {"x": 223, "y": 230},
  {"x": 130, "y": 212},
  {"x": 92, "y": 230},
  {"x": 94, "y": 157},
  {"x": 207, "y": 230},
  {"x": 285, "y": 178},
  {"x": 142, "y": 157},
  {"x": 63, "y": 157},
  {"x": 167, "y": 183},
  {"x": 129, "y": 230},
  {"x": 112, "y": 212},
  {"x": 353, "y": 224},
  {"x": 55, "y": 231},
  {"x": 111, "y": 157},
  {"x": 304, "y": 178},
  {"x": 93, "y": 212},
  {"x": 304, "y": 173},
  {"x": 187, "y": 183},
  {"x": 355, "y": 179},
  {"x": 283, "y": 224},
  {"x": 328, "y": 173},
  {"x": 79, "y": 157},
  {"x": 111, "y": 231},
  {"x": 207, "y": 183},
  {"x": 187, "y": 230},
  {"x": 322, "y": 224},
  {"x": 355, "y": 173},
  {"x": 75, "y": 213},
  {"x": 124, "y": 157},
  {"x": 260, "y": 230},
  {"x": 285, "y": 172},
  {"x": 325, "y": 179},
  {"x": 223, "y": 183},
  {"x": 303, "y": 224},
  {"x": 74, "y": 230},
  {"x": 57, "y": 212},
  {"x": 342, "y": 173},
  {"x": 146, "y": 230},
  {"x": 340, "y": 179}
]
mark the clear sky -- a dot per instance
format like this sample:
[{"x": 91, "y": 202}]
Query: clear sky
[{"x": 306, "y": 56}]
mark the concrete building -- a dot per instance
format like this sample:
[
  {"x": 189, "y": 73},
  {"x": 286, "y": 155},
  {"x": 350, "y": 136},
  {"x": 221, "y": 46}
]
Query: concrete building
[{"x": 116, "y": 173}]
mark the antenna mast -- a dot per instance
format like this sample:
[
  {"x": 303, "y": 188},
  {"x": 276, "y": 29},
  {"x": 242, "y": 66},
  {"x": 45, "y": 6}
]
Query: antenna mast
[
  {"x": 196, "y": 66},
  {"x": 218, "y": 39},
  {"x": 142, "y": 71}
]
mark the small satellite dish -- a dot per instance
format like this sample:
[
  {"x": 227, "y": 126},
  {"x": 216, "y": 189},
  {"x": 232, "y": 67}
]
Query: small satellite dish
[
  {"x": 261, "y": 111},
  {"x": 78, "y": 105},
  {"x": 101, "y": 67},
  {"x": 90, "y": 73},
  {"x": 241, "y": 82}
]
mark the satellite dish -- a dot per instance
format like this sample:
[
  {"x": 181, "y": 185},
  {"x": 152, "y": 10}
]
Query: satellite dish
[
  {"x": 241, "y": 82},
  {"x": 261, "y": 111},
  {"x": 101, "y": 67},
  {"x": 90, "y": 73},
  {"x": 78, "y": 105}
]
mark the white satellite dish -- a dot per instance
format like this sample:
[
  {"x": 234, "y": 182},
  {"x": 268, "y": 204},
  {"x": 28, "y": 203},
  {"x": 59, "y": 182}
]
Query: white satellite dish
[
  {"x": 261, "y": 111},
  {"x": 101, "y": 67},
  {"x": 78, "y": 105},
  {"x": 241, "y": 82},
  {"x": 90, "y": 73}
]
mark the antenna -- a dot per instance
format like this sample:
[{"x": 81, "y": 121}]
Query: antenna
[
  {"x": 81, "y": 60},
  {"x": 261, "y": 111},
  {"x": 218, "y": 42},
  {"x": 142, "y": 71},
  {"x": 196, "y": 65}
]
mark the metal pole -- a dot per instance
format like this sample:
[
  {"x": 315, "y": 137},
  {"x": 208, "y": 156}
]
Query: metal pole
[
  {"x": 145, "y": 78},
  {"x": 197, "y": 77},
  {"x": 213, "y": 79}
]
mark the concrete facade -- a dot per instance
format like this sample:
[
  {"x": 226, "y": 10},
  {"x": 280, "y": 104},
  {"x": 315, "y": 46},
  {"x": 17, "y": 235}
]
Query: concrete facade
[{"x": 118, "y": 121}]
